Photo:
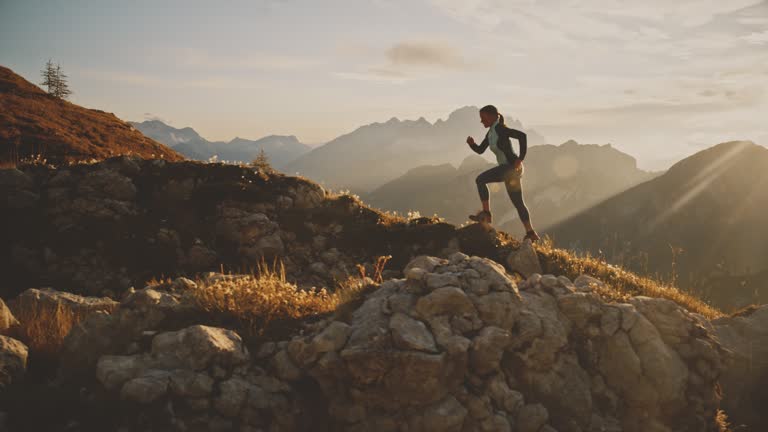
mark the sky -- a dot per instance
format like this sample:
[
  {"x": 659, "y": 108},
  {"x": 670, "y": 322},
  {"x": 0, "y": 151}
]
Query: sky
[{"x": 658, "y": 79}]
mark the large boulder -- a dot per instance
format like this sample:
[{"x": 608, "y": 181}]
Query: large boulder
[
  {"x": 140, "y": 315},
  {"x": 524, "y": 260},
  {"x": 8, "y": 323},
  {"x": 745, "y": 379},
  {"x": 46, "y": 316},
  {"x": 13, "y": 361}
]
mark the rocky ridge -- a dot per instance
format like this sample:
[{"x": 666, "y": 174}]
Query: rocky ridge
[{"x": 455, "y": 345}]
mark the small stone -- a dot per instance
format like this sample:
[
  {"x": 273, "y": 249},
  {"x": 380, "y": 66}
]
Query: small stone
[
  {"x": 13, "y": 361},
  {"x": 446, "y": 300},
  {"x": 186, "y": 383},
  {"x": 439, "y": 280},
  {"x": 284, "y": 367},
  {"x": 447, "y": 415},
  {"x": 332, "y": 338},
  {"x": 524, "y": 260},
  {"x": 408, "y": 333},
  {"x": 531, "y": 418},
  {"x": 488, "y": 348},
  {"x": 149, "y": 387}
]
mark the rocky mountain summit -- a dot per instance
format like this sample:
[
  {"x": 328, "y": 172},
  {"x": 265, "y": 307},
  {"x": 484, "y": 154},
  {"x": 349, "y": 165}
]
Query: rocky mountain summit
[
  {"x": 395, "y": 324},
  {"x": 172, "y": 219},
  {"x": 455, "y": 345}
]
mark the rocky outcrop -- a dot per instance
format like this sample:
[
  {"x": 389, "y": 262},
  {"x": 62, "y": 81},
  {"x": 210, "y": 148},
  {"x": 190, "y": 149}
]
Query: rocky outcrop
[
  {"x": 8, "y": 323},
  {"x": 456, "y": 345},
  {"x": 46, "y": 316},
  {"x": 100, "y": 229},
  {"x": 745, "y": 379},
  {"x": 13, "y": 361}
]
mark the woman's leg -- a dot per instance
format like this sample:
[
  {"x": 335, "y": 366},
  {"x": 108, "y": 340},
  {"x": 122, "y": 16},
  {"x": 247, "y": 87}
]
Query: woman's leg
[
  {"x": 514, "y": 184},
  {"x": 493, "y": 175}
]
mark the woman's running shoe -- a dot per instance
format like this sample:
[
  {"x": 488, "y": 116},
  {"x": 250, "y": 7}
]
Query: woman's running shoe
[{"x": 482, "y": 216}]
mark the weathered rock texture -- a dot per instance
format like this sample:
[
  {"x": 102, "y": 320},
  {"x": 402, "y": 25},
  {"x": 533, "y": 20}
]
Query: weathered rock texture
[
  {"x": 45, "y": 316},
  {"x": 745, "y": 380},
  {"x": 454, "y": 346},
  {"x": 99, "y": 229},
  {"x": 13, "y": 361}
]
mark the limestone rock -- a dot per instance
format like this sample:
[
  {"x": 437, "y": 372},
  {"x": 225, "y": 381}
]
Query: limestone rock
[
  {"x": 198, "y": 346},
  {"x": 524, "y": 260},
  {"x": 408, "y": 333},
  {"x": 446, "y": 300},
  {"x": 8, "y": 322},
  {"x": 13, "y": 361},
  {"x": 46, "y": 316},
  {"x": 743, "y": 381}
]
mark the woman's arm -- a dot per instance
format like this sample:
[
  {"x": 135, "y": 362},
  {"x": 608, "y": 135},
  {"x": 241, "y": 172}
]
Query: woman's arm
[
  {"x": 521, "y": 138},
  {"x": 479, "y": 149}
]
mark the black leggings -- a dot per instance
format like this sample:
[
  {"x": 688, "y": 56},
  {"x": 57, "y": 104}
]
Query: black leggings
[{"x": 512, "y": 180}]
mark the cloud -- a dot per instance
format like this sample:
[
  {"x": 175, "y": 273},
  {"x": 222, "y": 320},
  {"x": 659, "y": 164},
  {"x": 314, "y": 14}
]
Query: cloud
[
  {"x": 407, "y": 61},
  {"x": 757, "y": 38},
  {"x": 428, "y": 54},
  {"x": 196, "y": 58},
  {"x": 570, "y": 13},
  {"x": 153, "y": 117},
  {"x": 155, "y": 81},
  {"x": 376, "y": 74}
]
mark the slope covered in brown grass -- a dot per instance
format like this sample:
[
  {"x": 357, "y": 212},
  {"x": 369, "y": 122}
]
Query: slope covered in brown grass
[{"x": 33, "y": 123}]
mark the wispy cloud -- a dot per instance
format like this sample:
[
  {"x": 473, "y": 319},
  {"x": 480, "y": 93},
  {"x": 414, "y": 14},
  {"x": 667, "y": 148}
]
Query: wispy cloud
[
  {"x": 155, "y": 81},
  {"x": 262, "y": 61},
  {"x": 407, "y": 61},
  {"x": 757, "y": 38},
  {"x": 425, "y": 54},
  {"x": 154, "y": 117}
]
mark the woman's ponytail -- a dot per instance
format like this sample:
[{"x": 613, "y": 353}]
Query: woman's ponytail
[{"x": 501, "y": 119}]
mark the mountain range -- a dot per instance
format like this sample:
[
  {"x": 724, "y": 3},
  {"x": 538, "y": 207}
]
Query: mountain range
[
  {"x": 703, "y": 223},
  {"x": 34, "y": 124},
  {"x": 375, "y": 154},
  {"x": 279, "y": 149}
]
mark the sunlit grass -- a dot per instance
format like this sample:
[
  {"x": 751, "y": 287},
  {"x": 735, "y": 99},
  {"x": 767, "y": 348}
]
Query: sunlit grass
[
  {"x": 620, "y": 284},
  {"x": 45, "y": 324},
  {"x": 255, "y": 301}
]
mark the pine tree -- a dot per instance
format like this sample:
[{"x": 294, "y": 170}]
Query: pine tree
[
  {"x": 55, "y": 80},
  {"x": 62, "y": 90},
  {"x": 262, "y": 162},
  {"x": 49, "y": 76}
]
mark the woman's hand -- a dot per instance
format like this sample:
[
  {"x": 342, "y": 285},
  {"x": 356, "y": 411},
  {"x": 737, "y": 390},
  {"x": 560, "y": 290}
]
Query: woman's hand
[
  {"x": 470, "y": 141},
  {"x": 518, "y": 163}
]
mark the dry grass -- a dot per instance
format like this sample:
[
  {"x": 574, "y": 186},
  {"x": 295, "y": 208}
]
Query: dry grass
[
  {"x": 45, "y": 324},
  {"x": 620, "y": 284},
  {"x": 255, "y": 302},
  {"x": 722, "y": 422}
]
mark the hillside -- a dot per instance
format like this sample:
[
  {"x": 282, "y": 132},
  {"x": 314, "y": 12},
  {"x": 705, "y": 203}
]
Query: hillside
[
  {"x": 34, "y": 124},
  {"x": 375, "y": 154},
  {"x": 279, "y": 149},
  {"x": 560, "y": 181},
  {"x": 712, "y": 205},
  {"x": 372, "y": 321}
]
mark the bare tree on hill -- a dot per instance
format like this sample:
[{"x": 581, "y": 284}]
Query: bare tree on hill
[{"x": 55, "y": 80}]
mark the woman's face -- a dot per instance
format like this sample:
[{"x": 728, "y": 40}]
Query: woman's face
[{"x": 487, "y": 119}]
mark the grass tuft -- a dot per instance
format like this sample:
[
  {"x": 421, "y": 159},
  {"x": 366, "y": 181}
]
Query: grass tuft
[
  {"x": 620, "y": 284},
  {"x": 257, "y": 301}
]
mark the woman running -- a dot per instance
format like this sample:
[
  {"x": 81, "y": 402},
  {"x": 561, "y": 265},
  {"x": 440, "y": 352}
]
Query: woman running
[{"x": 509, "y": 170}]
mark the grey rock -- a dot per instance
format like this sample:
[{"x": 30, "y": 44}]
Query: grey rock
[{"x": 408, "y": 333}]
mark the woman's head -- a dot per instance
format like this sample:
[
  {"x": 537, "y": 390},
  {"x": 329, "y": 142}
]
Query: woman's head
[{"x": 489, "y": 114}]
